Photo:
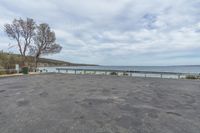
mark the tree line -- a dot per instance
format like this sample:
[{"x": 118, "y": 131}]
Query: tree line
[{"x": 32, "y": 39}]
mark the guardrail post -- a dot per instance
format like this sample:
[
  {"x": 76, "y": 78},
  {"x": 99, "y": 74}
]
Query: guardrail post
[
  {"x": 75, "y": 71},
  {"x": 161, "y": 75},
  {"x": 179, "y": 76}
]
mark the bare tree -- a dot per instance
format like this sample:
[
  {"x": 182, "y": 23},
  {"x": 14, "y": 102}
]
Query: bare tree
[
  {"x": 22, "y": 31},
  {"x": 44, "y": 42}
]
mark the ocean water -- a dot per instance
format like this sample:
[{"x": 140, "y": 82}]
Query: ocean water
[{"x": 181, "y": 69}]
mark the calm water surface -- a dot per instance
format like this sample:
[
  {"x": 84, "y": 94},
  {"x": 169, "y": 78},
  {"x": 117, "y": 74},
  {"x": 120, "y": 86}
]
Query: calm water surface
[{"x": 181, "y": 69}]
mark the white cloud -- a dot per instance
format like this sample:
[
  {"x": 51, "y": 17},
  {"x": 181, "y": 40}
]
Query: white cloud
[{"x": 101, "y": 31}]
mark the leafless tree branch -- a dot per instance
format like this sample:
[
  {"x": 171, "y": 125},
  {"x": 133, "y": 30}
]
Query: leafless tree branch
[
  {"x": 44, "y": 41},
  {"x": 22, "y": 31}
]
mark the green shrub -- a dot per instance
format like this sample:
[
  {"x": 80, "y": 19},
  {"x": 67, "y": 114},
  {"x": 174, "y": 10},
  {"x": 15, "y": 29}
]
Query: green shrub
[
  {"x": 192, "y": 77},
  {"x": 125, "y": 74},
  {"x": 113, "y": 73}
]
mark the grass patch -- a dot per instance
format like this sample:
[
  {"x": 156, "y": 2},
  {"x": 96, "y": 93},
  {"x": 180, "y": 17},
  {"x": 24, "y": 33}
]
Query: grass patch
[{"x": 3, "y": 72}]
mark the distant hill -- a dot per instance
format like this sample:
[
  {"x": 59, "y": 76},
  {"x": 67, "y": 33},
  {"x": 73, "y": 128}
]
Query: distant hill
[
  {"x": 52, "y": 62},
  {"x": 8, "y": 61}
]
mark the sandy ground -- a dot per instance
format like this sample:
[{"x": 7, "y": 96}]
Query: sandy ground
[{"x": 59, "y": 103}]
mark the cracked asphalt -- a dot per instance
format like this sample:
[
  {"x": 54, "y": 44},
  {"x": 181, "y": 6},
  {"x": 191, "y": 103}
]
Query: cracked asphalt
[{"x": 64, "y": 103}]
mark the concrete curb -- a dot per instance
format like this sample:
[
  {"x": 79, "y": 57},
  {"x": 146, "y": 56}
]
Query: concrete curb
[{"x": 16, "y": 75}]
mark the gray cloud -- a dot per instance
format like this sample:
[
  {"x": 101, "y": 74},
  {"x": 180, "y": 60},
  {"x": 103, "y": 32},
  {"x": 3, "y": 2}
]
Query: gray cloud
[{"x": 115, "y": 32}]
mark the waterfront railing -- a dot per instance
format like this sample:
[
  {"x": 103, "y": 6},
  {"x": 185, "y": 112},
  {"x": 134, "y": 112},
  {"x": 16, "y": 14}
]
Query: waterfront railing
[{"x": 124, "y": 72}]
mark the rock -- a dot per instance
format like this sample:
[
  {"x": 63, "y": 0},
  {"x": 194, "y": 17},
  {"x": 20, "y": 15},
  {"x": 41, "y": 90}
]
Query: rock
[
  {"x": 2, "y": 91},
  {"x": 22, "y": 102},
  {"x": 43, "y": 94}
]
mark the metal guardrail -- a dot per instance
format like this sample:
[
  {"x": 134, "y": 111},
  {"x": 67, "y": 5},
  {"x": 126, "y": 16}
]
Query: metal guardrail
[{"x": 128, "y": 72}]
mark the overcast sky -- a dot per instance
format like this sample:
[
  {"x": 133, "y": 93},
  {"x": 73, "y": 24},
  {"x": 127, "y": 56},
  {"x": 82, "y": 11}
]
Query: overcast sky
[{"x": 115, "y": 32}]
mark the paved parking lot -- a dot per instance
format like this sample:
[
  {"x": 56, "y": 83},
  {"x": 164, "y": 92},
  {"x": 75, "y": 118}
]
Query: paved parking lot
[{"x": 59, "y": 103}]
